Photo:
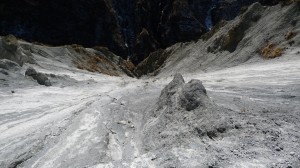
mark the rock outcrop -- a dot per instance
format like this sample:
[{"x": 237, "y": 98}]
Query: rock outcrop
[
  {"x": 183, "y": 110},
  {"x": 10, "y": 49}
]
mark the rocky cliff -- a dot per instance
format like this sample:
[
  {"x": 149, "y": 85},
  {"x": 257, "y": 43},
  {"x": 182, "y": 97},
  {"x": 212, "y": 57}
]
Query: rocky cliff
[{"x": 129, "y": 28}]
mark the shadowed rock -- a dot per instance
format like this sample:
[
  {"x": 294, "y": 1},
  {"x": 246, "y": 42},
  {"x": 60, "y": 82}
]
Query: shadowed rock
[
  {"x": 41, "y": 78},
  {"x": 166, "y": 96},
  {"x": 179, "y": 94},
  {"x": 30, "y": 72},
  {"x": 172, "y": 87},
  {"x": 10, "y": 43},
  {"x": 192, "y": 95}
]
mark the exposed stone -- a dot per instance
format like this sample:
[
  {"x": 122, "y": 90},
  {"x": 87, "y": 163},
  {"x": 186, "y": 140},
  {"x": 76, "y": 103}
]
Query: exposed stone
[
  {"x": 145, "y": 44},
  {"x": 172, "y": 87},
  {"x": 166, "y": 97},
  {"x": 237, "y": 32},
  {"x": 192, "y": 95},
  {"x": 179, "y": 23},
  {"x": 41, "y": 78},
  {"x": 188, "y": 96},
  {"x": 10, "y": 43},
  {"x": 9, "y": 65},
  {"x": 183, "y": 110},
  {"x": 30, "y": 72}
]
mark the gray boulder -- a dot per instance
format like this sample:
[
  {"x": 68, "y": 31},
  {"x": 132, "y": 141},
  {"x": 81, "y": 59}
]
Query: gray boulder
[
  {"x": 41, "y": 78},
  {"x": 183, "y": 112},
  {"x": 30, "y": 72},
  {"x": 172, "y": 87},
  {"x": 166, "y": 96},
  {"x": 193, "y": 95},
  {"x": 178, "y": 94}
]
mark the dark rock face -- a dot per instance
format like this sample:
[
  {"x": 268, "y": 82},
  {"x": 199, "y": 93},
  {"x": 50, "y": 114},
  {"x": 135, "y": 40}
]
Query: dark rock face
[
  {"x": 171, "y": 88},
  {"x": 269, "y": 2},
  {"x": 227, "y": 10},
  {"x": 149, "y": 25},
  {"x": 151, "y": 65},
  {"x": 58, "y": 22},
  {"x": 129, "y": 28},
  {"x": 180, "y": 24}
]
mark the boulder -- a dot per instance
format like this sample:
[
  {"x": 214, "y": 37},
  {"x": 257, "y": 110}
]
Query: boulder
[
  {"x": 30, "y": 72},
  {"x": 166, "y": 97},
  {"x": 188, "y": 96},
  {"x": 41, "y": 78},
  {"x": 182, "y": 112},
  {"x": 193, "y": 95}
]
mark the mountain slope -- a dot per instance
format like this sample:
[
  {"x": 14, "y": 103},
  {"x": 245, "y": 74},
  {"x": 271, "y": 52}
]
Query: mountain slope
[
  {"x": 231, "y": 43},
  {"x": 115, "y": 24}
]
